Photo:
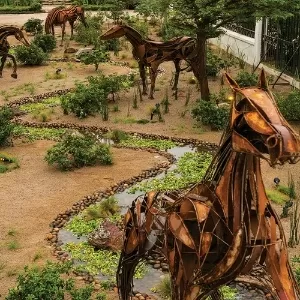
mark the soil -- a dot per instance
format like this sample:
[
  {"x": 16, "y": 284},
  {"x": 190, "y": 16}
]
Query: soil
[{"x": 34, "y": 194}]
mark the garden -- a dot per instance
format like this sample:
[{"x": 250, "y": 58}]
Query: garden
[{"x": 79, "y": 142}]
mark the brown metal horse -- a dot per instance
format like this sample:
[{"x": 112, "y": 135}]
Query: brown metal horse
[
  {"x": 224, "y": 226},
  {"x": 151, "y": 54},
  {"x": 5, "y": 31}
]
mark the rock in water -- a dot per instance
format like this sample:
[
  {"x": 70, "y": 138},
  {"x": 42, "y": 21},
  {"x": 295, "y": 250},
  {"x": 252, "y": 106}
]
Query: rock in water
[{"x": 107, "y": 236}]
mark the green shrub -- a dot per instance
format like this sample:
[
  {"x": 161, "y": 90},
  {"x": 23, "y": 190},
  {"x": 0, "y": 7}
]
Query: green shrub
[
  {"x": 46, "y": 283},
  {"x": 8, "y": 163},
  {"x": 46, "y": 42},
  {"x": 95, "y": 57},
  {"x": 30, "y": 55},
  {"x": 90, "y": 35},
  {"x": 6, "y": 127},
  {"x": 92, "y": 98},
  {"x": 211, "y": 114},
  {"x": 33, "y": 26},
  {"x": 214, "y": 63},
  {"x": 76, "y": 151},
  {"x": 245, "y": 79},
  {"x": 290, "y": 106},
  {"x": 35, "y": 6}
]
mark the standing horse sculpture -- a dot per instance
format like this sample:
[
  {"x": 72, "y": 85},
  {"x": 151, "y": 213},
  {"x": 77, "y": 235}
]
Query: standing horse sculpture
[
  {"x": 60, "y": 16},
  {"x": 5, "y": 31},
  {"x": 151, "y": 54},
  {"x": 224, "y": 226}
]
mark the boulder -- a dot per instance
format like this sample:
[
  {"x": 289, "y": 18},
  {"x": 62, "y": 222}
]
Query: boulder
[{"x": 107, "y": 236}]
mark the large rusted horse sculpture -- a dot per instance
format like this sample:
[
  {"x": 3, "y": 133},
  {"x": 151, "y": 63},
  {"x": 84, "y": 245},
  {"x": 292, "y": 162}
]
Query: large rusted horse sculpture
[
  {"x": 224, "y": 226},
  {"x": 151, "y": 54},
  {"x": 5, "y": 31},
  {"x": 60, "y": 16}
]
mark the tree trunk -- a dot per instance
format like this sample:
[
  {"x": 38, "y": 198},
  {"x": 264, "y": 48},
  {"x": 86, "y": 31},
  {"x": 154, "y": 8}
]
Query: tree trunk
[{"x": 199, "y": 66}]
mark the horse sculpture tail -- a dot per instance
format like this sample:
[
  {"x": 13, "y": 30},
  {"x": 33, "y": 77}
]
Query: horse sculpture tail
[
  {"x": 50, "y": 20},
  {"x": 141, "y": 234}
]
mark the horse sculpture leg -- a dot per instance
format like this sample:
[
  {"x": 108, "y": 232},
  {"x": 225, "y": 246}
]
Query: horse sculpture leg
[
  {"x": 72, "y": 29},
  {"x": 63, "y": 32},
  {"x": 153, "y": 75},
  {"x": 143, "y": 77},
  {"x": 177, "y": 68},
  {"x": 3, "y": 59}
]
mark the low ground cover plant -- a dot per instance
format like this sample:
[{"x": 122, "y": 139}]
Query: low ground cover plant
[
  {"x": 76, "y": 151},
  {"x": 7, "y": 162},
  {"x": 31, "y": 55},
  {"x": 6, "y": 127},
  {"x": 290, "y": 105},
  {"x": 33, "y": 26},
  {"x": 46, "y": 42}
]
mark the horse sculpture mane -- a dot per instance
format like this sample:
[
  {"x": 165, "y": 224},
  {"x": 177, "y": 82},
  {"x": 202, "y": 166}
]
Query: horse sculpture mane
[
  {"x": 151, "y": 54},
  {"x": 224, "y": 226},
  {"x": 5, "y": 31}
]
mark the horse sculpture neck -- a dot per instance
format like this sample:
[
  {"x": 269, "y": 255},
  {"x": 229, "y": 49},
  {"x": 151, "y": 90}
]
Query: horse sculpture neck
[{"x": 134, "y": 37}]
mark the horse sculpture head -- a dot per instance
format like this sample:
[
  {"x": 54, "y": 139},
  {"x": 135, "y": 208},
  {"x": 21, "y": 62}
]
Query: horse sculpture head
[
  {"x": 81, "y": 16},
  {"x": 114, "y": 32},
  {"x": 20, "y": 35},
  {"x": 258, "y": 126}
]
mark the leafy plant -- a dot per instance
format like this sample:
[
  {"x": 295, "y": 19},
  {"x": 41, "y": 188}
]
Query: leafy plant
[
  {"x": 133, "y": 141},
  {"x": 32, "y": 133},
  {"x": 191, "y": 167},
  {"x": 30, "y": 55},
  {"x": 8, "y": 163},
  {"x": 164, "y": 288},
  {"x": 46, "y": 283},
  {"x": 95, "y": 57},
  {"x": 290, "y": 106},
  {"x": 214, "y": 63},
  {"x": 245, "y": 79},
  {"x": 46, "y": 42},
  {"x": 92, "y": 98},
  {"x": 211, "y": 114},
  {"x": 6, "y": 127},
  {"x": 97, "y": 261},
  {"x": 33, "y": 26},
  {"x": 116, "y": 135},
  {"x": 76, "y": 151}
]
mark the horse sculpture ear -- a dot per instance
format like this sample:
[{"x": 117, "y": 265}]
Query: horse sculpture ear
[
  {"x": 233, "y": 84},
  {"x": 262, "y": 81}
]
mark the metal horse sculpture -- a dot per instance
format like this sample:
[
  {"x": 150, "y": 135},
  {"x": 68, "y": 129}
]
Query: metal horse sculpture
[
  {"x": 151, "y": 54},
  {"x": 224, "y": 226},
  {"x": 5, "y": 31},
  {"x": 60, "y": 16}
]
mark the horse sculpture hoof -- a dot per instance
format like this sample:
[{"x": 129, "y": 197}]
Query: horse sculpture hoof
[{"x": 14, "y": 75}]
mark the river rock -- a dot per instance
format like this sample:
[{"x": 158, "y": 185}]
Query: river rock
[{"x": 107, "y": 236}]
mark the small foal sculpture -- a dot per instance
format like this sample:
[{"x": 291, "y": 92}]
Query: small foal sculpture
[
  {"x": 223, "y": 226},
  {"x": 5, "y": 31},
  {"x": 151, "y": 54}
]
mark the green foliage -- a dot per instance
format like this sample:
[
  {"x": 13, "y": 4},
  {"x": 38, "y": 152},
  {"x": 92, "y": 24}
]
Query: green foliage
[
  {"x": 46, "y": 42},
  {"x": 191, "y": 168},
  {"x": 20, "y": 6},
  {"x": 116, "y": 135},
  {"x": 287, "y": 190},
  {"x": 101, "y": 296},
  {"x": 211, "y": 114},
  {"x": 8, "y": 163},
  {"x": 107, "y": 284},
  {"x": 34, "y": 26},
  {"x": 95, "y": 57},
  {"x": 164, "y": 288},
  {"x": 276, "y": 196},
  {"x": 39, "y": 106},
  {"x": 6, "y": 127},
  {"x": 80, "y": 226},
  {"x": 245, "y": 79},
  {"x": 76, "y": 151},
  {"x": 229, "y": 293},
  {"x": 214, "y": 63},
  {"x": 140, "y": 25},
  {"x": 92, "y": 216},
  {"x": 134, "y": 141},
  {"x": 90, "y": 35},
  {"x": 92, "y": 98},
  {"x": 290, "y": 106},
  {"x": 46, "y": 283},
  {"x": 98, "y": 261},
  {"x": 32, "y": 133},
  {"x": 30, "y": 55}
]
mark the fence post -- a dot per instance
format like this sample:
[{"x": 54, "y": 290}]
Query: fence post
[{"x": 257, "y": 41}]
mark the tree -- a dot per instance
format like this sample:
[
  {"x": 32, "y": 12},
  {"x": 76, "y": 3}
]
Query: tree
[{"x": 204, "y": 19}]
